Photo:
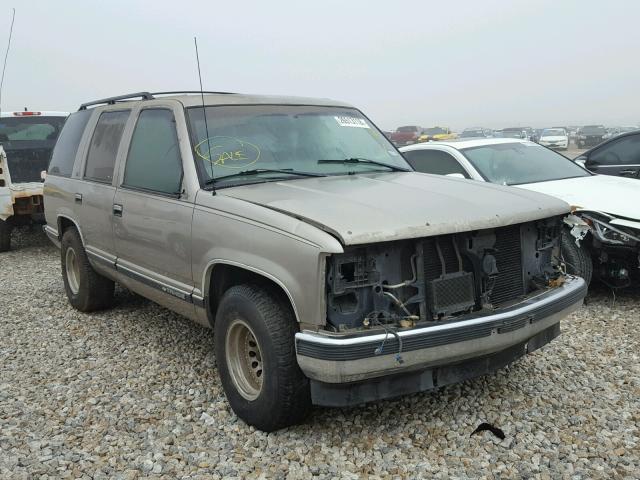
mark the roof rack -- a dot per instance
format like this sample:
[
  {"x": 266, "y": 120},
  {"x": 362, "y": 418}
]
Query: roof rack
[
  {"x": 191, "y": 91},
  {"x": 144, "y": 96},
  {"x": 113, "y": 100}
]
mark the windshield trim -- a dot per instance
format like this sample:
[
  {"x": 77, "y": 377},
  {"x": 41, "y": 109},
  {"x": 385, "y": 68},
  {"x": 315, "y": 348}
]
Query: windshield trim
[
  {"x": 486, "y": 179},
  {"x": 203, "y": 176}
]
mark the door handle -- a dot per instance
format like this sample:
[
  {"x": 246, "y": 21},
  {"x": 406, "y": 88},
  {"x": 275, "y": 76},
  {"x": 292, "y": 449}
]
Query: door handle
[
  {"x": 78, "y": 197},
  {"x": 117, "y": 210},
  {"x": 628, "y": 172}
]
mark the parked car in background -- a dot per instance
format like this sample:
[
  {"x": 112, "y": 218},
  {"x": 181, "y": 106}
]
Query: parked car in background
[
  {"x": 330, "y": 271},
  {"x": 590, "y": 135},
  {"x": 601, "y": 236},
  {"x": 615, "y": 131},
  {"x": 557, "y": 138},
  {"x": 476, "y": 132},
  {"x": 436, "y": 133},
  {"x": 406, "y": 135},
  {"x": 26, "y": 141},
  {"x": 514, "y": 132},
  {"x": 618, "y": 156}
]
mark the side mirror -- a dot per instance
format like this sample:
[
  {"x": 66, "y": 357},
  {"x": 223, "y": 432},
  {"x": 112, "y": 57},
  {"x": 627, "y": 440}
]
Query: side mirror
[
  {"x": 582, "y": 161},
  {"x": 455, "y": 175},
  {"x": 43, "y": 175}
]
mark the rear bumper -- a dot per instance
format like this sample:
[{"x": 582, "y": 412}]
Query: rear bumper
[{"x": 337, "y": 359}]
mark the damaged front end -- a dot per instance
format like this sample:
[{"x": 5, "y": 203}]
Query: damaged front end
[
  {"x": 411, "y": 315},
  {"x": 614, "y": 245},
  {"x": 405, "y": 283}
]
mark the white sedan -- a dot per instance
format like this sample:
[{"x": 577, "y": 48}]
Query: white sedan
[
  {"x": 602, "y": 236},
  {"x": 554, "y": 138}
]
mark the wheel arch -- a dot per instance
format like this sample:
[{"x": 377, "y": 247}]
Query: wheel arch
[
  {"x": 220, "y": 275},
  {"x": 64, "y": 222}
]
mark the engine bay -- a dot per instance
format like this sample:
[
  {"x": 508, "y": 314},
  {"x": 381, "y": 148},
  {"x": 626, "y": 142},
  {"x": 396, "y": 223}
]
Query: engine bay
[{"x": 405, "y": 282}]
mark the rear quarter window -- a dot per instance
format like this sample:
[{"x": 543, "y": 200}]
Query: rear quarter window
[
  {"x": 64, "y": 153},
  {"x": 105, "y": 141}
]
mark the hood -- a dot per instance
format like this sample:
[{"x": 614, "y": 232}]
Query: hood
[
  {"x": 616, "y": 196},
  {"x": 378, "y": 207}
]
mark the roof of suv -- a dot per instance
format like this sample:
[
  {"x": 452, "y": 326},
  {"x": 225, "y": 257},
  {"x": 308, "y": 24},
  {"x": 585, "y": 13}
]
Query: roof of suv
[{"x": 192, "y": 99}]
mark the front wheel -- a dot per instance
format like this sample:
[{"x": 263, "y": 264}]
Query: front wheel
[
  {"x": 5, "y": 236},
  {"x": 254, "y": 345},
  {"x": 577, "y": 258},
  {"x": 86, "y": 289}
]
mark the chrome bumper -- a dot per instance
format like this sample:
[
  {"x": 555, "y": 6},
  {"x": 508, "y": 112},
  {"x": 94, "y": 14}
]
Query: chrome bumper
[{"x": 340, "y": 358}]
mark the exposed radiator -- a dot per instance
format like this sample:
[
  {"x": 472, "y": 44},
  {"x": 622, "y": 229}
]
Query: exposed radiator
[{"x": 509, "y": 282}]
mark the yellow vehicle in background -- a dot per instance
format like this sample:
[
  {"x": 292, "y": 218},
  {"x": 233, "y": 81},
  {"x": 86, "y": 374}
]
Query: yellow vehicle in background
[{"x": 436, "y": 133}]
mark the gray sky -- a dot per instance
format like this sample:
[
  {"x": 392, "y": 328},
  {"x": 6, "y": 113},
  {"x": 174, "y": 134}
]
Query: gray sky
[{"x": 458, "y": 63}]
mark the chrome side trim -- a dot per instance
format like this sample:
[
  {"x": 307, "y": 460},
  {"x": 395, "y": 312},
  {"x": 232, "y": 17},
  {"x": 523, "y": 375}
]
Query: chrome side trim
[{"x": 52, "y": 233}]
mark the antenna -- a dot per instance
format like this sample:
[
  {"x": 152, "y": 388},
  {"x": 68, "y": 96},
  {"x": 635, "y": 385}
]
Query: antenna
[
  {"x": 4, "y": 66},
  {"x": 204, "y": 112}
]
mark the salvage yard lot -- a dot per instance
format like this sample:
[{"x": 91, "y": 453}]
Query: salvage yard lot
[{"x": 134, "y": 392}]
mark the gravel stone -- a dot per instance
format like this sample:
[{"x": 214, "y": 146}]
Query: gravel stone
[{"x": 133, "y": 392}]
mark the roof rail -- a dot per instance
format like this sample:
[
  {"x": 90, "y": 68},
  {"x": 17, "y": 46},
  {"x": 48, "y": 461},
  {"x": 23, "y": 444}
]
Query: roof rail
[
  {"x": 191, "y": 91},
  {"x": 113, "y": 100}
]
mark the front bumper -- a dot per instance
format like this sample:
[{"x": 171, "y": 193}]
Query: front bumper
[
  {"x": 554, "y": 144},
  {"x": 342, "y": 358}
]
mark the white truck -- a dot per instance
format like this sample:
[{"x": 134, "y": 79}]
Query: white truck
[{"x": 26, "y": 141}]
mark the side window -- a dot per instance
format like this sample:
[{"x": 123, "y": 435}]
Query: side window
[
  {"x": 434, "y": 161},
  {"x": 154, "y": 161},
  {"x": 101, "y": 158},
  {"x": 625, "y": 151},
  {"x": 64, "y": 153}
]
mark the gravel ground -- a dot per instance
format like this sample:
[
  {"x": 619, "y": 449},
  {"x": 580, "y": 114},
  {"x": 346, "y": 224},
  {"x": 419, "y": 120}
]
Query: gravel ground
[{"x": 133, "y": 392}]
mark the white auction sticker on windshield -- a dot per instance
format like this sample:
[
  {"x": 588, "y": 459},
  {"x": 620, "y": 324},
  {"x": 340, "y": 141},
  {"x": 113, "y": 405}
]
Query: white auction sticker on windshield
[{"x": 345, "y": 121}]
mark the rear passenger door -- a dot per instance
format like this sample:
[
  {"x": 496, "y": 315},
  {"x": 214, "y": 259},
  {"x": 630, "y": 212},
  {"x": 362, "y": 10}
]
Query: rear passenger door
[
  {"x": 93, "y": 194},
  {"x": 620, "y": 157},
  {"x": 152, "y": 215}
]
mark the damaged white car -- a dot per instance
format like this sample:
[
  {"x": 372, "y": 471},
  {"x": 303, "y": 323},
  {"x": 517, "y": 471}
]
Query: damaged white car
[
  {"x": 26, "y": 142},
  {"x": 602, "y": 237}
]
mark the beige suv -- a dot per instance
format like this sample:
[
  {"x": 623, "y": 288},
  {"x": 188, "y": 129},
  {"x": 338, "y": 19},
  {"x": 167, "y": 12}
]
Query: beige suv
[{"x": 331, "y": 273}]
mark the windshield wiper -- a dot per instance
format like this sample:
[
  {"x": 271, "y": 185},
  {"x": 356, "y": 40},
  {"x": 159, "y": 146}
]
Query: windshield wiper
[
  {"x": 258, "y": 171},
  {"x": 365, "y": 161}
]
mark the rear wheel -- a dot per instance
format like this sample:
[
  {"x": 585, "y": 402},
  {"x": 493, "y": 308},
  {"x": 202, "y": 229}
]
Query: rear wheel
[
  {"x": 86, "y": 289},
  {"x": 576, "y": 257},
  {"x": 254, "y": 344},
  {"x": 5, "y": 236}
]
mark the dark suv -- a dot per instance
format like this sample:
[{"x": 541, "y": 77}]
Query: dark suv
[{"x": 590, "y": 135}]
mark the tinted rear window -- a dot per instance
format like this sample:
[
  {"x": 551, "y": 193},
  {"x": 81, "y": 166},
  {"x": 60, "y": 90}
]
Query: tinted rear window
[
  {"x": 30, "y": 128},
  {"x": 64, "y": 153},
  {"x": 101, "y": 159}
]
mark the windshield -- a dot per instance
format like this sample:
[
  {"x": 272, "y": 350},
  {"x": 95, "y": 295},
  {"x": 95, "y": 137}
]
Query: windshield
[
  {"x": 516, "y": 163},
  {"x": 554, "y": 132},
  {"x": 407, "y": 129},
  {"x": 434, "y": 131},
  {"x": 593, "y": 130},
  {"x": 17, "y": 131},
  {"x": 286, "y": 137}
]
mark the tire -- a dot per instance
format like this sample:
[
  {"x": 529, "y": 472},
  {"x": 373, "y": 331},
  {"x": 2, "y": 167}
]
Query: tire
[
  {"x": 275, "y": 393},
  {"x": 87, "y": 290},
  {"x": 5, "y": 236},
  {"x": 577, "y": 258}
]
